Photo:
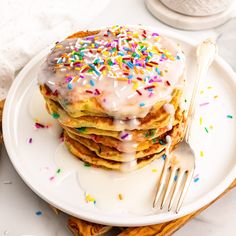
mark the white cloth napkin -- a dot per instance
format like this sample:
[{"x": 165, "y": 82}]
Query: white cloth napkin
[{"x": 27, "y": 26}]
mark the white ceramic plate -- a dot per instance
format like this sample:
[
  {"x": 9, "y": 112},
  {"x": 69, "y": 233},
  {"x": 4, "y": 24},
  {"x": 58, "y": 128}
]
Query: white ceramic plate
[{"x": 213, "y": 139}]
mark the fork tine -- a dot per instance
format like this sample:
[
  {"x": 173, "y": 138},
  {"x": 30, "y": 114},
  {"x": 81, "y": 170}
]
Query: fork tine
[
  {"x": 161, "y": 184},
  {"x": 186, "y": 185},
  {"x": 170, "y": 183},
  {"x": 176, "y": 190}
]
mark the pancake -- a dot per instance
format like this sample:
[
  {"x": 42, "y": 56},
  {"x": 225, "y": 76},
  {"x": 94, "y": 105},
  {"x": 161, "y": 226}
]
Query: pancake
[
  {"x": 116, "y": 93},
  {"x": 48, "y": 94},
  {"x": 88, "y": 156},
  {"x": 116, "y": 143},
  {"x": 109, "y": 153},
  {"x": 137, "y": 135}
]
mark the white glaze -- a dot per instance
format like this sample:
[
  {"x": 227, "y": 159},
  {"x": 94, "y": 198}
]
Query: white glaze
[
  {"x": 169, "y": 108},
  {"x": 128, "y": 146},
  {"x": 126, "y": 124},
  {"x": 118, "y": 97},
  {"x": 106, "y": 185}
]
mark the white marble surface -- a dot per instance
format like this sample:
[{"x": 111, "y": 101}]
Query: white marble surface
[{"x": 18, "y": 204}]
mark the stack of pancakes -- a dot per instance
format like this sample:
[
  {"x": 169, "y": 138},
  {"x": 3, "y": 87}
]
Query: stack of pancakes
[{"x": 116, "y": 93}]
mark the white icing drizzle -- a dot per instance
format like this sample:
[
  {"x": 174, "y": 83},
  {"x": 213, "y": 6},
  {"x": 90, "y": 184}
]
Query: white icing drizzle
[
  {"x": 169, "y": 142},
  {"x": 128, "y": 146},
  {"x": 127, "y": 166},
  {"x": 169, "y": 108},
  {"x": 168, "y": 139},
  {"x": 126, "y": 124},
  {"x": 127, "y": 70}
]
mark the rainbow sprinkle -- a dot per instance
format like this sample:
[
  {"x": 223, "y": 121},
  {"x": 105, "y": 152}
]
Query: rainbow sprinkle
[
  {"x": 88, "y": 199},
  {"x": 139, "y": 93},
  {"x": 229, "y": 116},
  {"x": 176, "y": 177},
  {"x": 30, "y": 140},
  {"x": 86, "y": 164},
  {"x": 120, "y": 197},
  {"x": 161, "y": 142},
  {"x": 204, "y": 104},
  {"x": 200, "y": 120},
  {"x": 38, "y": 213},
  {"x": 163, "y": 156},
  {"x": 41, "y": 126},
  {"x": 81, "y": 129},
  {"x": 52, "y": 178},
  {"x": 124, "y": 136},
  {"x": 69, "y": 86},
  {"x": 201, "y": 153},
  {"x": 196, "y": 178},
  {"x": 55, "y": 115},
  {"x": 92, "y": 82},
  {"x": 154, "y": 140},
  {"x": 61, "y": 137}
]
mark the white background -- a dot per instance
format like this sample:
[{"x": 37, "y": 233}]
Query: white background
[{"x": 18, "y": 204}]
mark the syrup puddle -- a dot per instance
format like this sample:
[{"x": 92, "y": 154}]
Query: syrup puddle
[{"x": 136, "y": 188}]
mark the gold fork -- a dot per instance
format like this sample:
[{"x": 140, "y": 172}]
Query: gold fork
[{"x": 179, "y": 165}]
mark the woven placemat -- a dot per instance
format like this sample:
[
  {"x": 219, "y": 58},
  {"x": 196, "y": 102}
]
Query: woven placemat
[{"x": 83, "y": 228}]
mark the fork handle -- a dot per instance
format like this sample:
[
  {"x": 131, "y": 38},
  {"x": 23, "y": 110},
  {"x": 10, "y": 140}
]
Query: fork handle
[{"x": 206, "y": 52}]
